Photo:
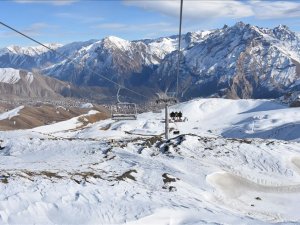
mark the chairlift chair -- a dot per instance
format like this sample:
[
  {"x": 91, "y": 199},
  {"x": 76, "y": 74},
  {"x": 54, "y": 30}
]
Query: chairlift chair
[
  {"x": 166, "y": 98},
  {"x": 123, "y": 110}
]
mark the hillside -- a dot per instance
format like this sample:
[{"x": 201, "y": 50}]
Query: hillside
[
  {"x": 125, "y": 173},
  {"x": 21, "y": 85},
  {"x": 31, "y": 116}
]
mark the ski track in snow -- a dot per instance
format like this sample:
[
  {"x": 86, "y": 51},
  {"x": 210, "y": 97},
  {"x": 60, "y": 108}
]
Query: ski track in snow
[{"x": 111, "y": 173}]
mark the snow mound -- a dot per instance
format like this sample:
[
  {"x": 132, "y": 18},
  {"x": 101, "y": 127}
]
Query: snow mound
[
  {"x": 234, "y": 186},
  {"x": 259, "y": 199}
]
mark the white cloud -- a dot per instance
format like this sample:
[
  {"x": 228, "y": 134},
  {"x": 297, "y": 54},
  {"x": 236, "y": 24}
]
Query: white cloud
[
  {"x": 204, "y": 9},
  {"x": 210, "y": 9},
  {"x": 52, "y": 2},
  {"x": 275, "y": 10}
]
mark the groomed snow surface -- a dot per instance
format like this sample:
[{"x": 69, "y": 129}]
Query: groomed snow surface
[{"x": 235, "y": 162}]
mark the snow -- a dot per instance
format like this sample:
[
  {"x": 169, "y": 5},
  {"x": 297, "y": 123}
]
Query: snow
[
  {"x": 64, "y": 125},
  {"x": 29, "y": 77},
  {"x": 32, "y": 50},
  {"x": 240, "y": 191},
  {"x": 162, "y": 47},
  {"x": 86, "y": 105},
  {"x": 118, "y": 42},
  {"x": 12, "y": 76},
  {"x": 123, "y": 172},
  {"x": 9, "y": 75},
  {"x": 10, "y": 114},
  {"x": 207, "y": 32}
]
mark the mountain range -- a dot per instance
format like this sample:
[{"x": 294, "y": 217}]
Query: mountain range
[{"x": 239, "y": 61}]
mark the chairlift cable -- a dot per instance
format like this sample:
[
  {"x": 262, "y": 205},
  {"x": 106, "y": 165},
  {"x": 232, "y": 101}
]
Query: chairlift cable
[{"x": 70, "y": 59}]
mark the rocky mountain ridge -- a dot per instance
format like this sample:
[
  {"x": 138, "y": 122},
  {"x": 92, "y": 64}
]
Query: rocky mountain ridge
[
  {"x": 241, "y": 61},
  {"x": 19, "y": 85}
]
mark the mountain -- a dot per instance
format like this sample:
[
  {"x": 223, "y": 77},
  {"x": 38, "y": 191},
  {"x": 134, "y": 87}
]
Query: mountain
[
  {"x": 123, "y": 61},
  {"x": 21, "y": 85},
  {"x": 241, "y": 61},
  {"x": 30, "y": 116},
  {"x": 127, "y": 62},
  {"x": 37, "y": 57}
]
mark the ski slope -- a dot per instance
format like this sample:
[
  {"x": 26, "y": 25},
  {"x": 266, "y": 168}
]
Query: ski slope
[{"x": 221, "y": 169}]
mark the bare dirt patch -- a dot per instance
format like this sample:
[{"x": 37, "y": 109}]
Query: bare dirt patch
[
  {"x": 34, "y": 116},
  {"x": 127, "y": 175}
]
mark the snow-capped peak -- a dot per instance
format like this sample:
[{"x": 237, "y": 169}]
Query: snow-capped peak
[
  {"x": 282, "y": 27},
  {"x": 32, "y": 50},
  {"x": 240, "y": 24},
  {"x": 118, "y": 42}
]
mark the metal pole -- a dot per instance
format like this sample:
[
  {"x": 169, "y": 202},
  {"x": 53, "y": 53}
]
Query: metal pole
[
  {"x": 179, "y": 44},
  {"x": 166, "y": 122}
]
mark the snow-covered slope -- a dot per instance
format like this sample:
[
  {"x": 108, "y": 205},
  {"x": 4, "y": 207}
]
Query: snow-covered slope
[
  {"x": 124, "y": 173},
  {"x": 116, "y": 58},
  {"x": 17, "y": 84},
  {"x": 37, "y": 57},
  {"x": 12, "y": 76},
  {"x": 10, "y": 114},
  {"x": 32, "y": 50},
  {"x": 9, "y": 75},
  {"x": 227, "y": 118},
  {"x": 240, "y": 61}
]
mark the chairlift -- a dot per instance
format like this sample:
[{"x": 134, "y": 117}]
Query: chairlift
[{"x": 123, "y": 110}]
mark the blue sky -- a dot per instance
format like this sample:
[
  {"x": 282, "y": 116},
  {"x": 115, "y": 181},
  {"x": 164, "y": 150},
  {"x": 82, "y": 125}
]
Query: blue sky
[{"x": 64, "y": 21}]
